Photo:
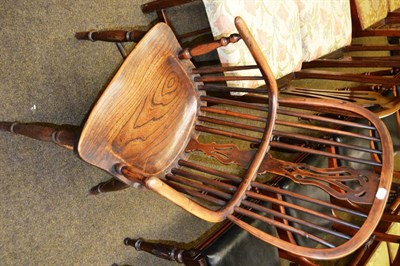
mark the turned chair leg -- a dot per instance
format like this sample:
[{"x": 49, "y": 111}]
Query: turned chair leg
[
  {"x": 110, "y": 185},
  {"x": 111, "y": 35},
  {"x": 116, "y": 36},
  {"x": 65, "y": 135},
  {"x": 168, "y": 252}
]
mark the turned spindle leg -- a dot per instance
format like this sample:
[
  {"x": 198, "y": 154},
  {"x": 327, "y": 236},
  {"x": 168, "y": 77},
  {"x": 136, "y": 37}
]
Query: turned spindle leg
[
  {"x": 168, "y": 252},
  {"x": 202, "y": 49},
  {"x": 110, "y": 185},
  {"x": 65, "y": 136},
  {"x": 116, "y": 36},
  {"x": 111, "y": 35}
]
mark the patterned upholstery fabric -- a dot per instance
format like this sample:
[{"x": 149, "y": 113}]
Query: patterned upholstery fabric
[
  {"x": 371, "y": 11},
  {"x": 393, "y": 5},
  {"x": 325, "y": 26},
  {"x": 274, "y": 24}
]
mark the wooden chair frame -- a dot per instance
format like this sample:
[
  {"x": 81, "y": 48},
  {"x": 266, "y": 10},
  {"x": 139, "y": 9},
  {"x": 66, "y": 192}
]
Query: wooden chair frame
[{"x": 227, "y": 195}]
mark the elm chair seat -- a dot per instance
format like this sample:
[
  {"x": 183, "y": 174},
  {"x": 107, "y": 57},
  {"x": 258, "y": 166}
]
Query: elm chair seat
[
  {"x": 146, "y": 114},
  {"x": 144, "y": 122},
  {"x": 155, "y": 121}
]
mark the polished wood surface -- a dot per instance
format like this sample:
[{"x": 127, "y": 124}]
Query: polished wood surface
[
  {"x": 381, "y": 234},
  {"x": 222, "y": 196},
  {"x": 168, "y": 252},
  {"x": 147, "y": 123},
  {"x": 111, "y": 35},
  {"x": 227, "y": 207},
  {"x": 384, "y": 105},
  {"x": 356, "y": 77},
  {"x": 188, "y": 53},
  {"x": 65, "y": 135},
  {"x": 146, "y": 112},
  {"x": 294, "y": 248}
]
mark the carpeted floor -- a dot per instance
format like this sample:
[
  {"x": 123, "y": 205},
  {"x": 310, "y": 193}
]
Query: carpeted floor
[{"x": 46, "y": 217}]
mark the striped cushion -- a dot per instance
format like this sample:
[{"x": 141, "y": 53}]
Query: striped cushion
[{"x": 371, "y": 11}]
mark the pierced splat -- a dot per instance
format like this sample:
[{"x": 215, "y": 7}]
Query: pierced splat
[
  {"x": 344, "y": 183},
  {"x": 224, "y": 153},
  {"x": 358, "y": 186}
]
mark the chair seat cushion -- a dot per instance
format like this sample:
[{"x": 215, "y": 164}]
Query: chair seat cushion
[
  {"x": 393, "y": 5},
  {"x": 274, "y": 24},
  {"x": 370, "y": 11},
  {"x": 325, "y": 27},
  {"x": 145, "y": 115}
]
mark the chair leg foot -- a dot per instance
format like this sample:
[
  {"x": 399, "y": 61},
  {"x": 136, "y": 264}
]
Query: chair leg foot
[
  {"x": 6, "y": 126},
  {"x": 65, "y": 135},
  {"x": 83, "y": 35},
  {"x": 111, "y": 35},
  {"x": 110, "y": 185}
]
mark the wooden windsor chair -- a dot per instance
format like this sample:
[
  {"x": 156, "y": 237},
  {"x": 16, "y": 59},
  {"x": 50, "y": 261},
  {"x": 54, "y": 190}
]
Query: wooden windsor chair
[
  {"x": 145, "y": 131},
  {"x": 116, "y": 36}
]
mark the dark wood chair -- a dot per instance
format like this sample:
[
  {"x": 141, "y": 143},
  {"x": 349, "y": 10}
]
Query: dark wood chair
[
  {"x": 152, "y": 123},
  {"x": 227, "y": 245},
  {"x": 115, "y": 36}
]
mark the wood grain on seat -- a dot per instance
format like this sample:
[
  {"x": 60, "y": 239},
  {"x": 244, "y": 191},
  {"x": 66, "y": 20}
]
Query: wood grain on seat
[{"x": 146, "y": 113}]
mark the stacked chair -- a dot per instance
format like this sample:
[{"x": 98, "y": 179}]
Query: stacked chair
[{"x": 306, "y": 35}]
